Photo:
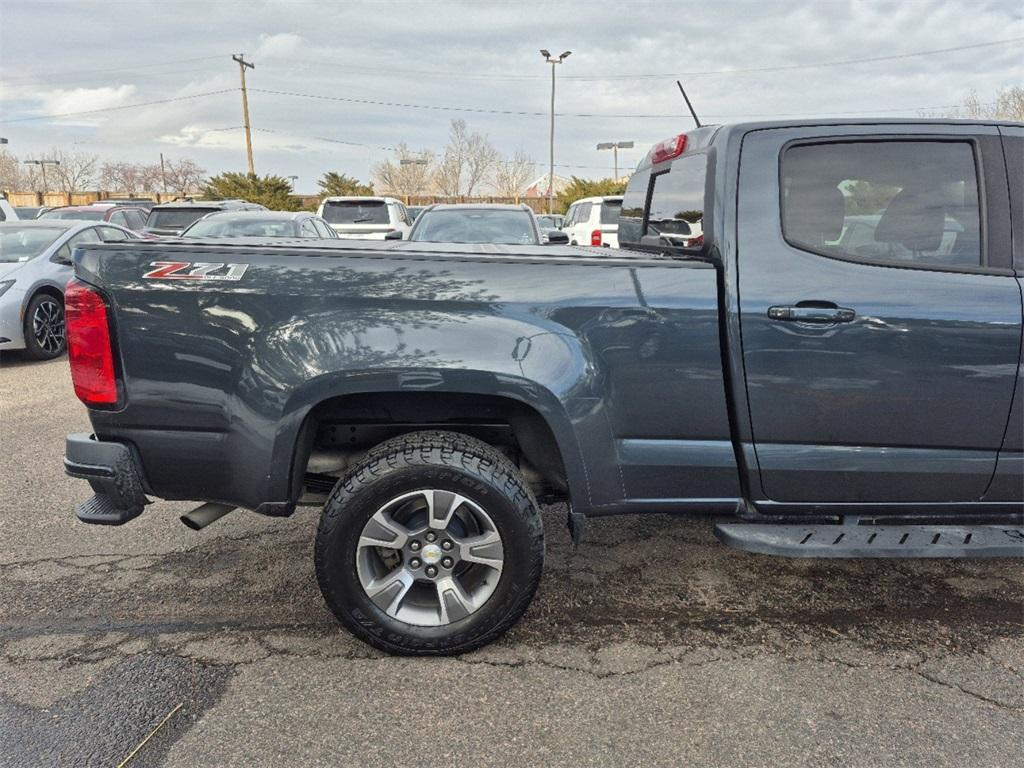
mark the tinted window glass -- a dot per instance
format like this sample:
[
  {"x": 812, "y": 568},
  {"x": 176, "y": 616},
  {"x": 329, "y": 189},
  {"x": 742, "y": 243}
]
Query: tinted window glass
[
  {"x": 109, "y": 234},
  {"x": 677, "y": 201},
  {"x": 583, "y": 213},
  {"x": 23, "y": 243},
  {"x": 118, "y": 217},
  {"x": 631, "y": 214},
  {"x": 902, "y": 202},
  {"x": 610, "y": 211},
  {"x": 136, "y": 219},
  {"x": 474, "y": 226},
  {"x": 176, "y": 218},
  {"x": 229, "y": 226},
  {"x": 356, "y": 212},
  {"x": 61, "y": 213}
]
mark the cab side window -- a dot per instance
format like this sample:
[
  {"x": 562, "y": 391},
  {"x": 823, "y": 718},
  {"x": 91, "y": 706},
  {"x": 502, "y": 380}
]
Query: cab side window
[
  {"x": 308, "y": 230},
  {"x": 905, "y": 203}
]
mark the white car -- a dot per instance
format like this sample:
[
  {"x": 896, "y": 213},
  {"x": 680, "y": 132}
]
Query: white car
[
  {"x": 593, "y": 221},
  {"x": 366, "y": 218},
  {"x": 35, "y": 266},
  {"x": 7, "y": 212}
]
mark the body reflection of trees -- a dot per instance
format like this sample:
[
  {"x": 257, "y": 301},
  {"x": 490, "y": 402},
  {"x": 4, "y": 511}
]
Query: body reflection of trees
[{"x": 330, "y": 318}]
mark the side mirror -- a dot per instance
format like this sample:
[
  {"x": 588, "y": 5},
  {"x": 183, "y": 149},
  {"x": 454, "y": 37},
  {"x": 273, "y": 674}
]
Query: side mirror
[
  {"x": 394, "y": 234},
  {"x": 556, "y": 237}
]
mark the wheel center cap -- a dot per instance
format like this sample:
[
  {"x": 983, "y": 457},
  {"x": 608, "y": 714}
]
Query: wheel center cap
[{"x": 431, "y": 554}]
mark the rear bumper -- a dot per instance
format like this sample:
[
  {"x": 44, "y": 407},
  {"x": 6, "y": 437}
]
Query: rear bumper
[{"x": 115, "y": 474}]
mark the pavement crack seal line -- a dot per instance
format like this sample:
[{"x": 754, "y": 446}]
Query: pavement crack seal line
[{"x": 141, "y": 744}]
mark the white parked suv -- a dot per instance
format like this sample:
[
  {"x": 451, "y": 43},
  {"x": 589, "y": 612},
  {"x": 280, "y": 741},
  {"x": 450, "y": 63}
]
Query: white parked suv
[
  {"x": 366, "y": 218},
  {"x": 593, "y": 221}
]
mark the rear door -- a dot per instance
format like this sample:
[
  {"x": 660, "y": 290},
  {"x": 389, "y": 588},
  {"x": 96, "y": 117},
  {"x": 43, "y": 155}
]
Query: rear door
[{"x": 880, "y": 318}]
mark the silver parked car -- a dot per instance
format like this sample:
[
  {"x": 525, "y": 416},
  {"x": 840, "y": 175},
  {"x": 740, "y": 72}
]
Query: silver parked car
[{"x": 35, "y": 266}]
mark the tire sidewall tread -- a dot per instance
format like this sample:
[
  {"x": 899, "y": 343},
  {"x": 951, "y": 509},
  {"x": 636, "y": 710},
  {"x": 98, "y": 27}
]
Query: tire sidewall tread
[{"x": 421, "y": 460}]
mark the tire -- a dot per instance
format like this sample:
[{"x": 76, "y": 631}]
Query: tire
[
  {"x": 430, "y": 617},
  {"x": 45, "y": 333}
]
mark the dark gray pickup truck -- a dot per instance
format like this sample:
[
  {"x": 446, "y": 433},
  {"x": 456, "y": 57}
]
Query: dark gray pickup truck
[{"x": 812, "y": 332}]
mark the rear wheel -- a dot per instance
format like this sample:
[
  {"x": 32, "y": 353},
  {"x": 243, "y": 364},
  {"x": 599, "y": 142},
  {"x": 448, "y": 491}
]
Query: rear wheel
[
  {"x": 432, "y": 545},
  {"x": 45, "y": 336}
]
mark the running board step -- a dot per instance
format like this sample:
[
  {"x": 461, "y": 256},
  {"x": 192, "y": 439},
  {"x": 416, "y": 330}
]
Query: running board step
[{"x": 874, "y": 540}]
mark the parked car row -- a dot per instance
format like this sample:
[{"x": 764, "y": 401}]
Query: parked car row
[{"x": 35, "y": 248}]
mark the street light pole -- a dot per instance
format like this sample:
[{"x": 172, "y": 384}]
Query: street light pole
[
  {"x": 615, "y": 146},
  {"x": 293, "y": 179},
  {"x": 551, "y": 144},
  {"x": 42, "y": 165}
]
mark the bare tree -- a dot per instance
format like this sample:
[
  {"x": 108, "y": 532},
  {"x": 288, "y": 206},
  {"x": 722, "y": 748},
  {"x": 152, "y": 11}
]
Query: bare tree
[
  {"x": 128, "y": 177},
  {"x": 183, "y": 176},
  {"x": 468, "y": 162},
  {"x": 12, "y": 175},
  {"x": 408, "y": 173},
  {"x": 1007, "y": 105},
  {"x": 511, "y": 176},
  {"x": 75, "y": 172},
  {"x": 481, "y": 162},
  {"x": 448, "y": 177}
]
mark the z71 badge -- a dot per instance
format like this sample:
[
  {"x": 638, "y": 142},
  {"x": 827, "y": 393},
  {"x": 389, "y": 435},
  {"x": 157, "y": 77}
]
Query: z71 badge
[{"x": 187, "y": 270}]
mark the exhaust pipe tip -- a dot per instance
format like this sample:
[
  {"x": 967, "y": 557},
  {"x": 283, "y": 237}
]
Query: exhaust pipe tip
[{"x": 203, "y": 515}]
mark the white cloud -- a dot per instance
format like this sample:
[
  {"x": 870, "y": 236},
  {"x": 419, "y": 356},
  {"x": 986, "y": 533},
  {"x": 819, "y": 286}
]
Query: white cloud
[
  {"x": 279, "y": 46},
  {"x": 476, "y": 55},
  {"x": 59, "y": 101}
]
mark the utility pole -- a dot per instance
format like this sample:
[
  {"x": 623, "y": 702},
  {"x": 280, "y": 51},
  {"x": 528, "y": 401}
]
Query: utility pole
[
  {"x": 551, "y": 146},
  {"x": 615, "y": 146},
  {"x": 163, "y": 173},
  {"x": 242, "y": 64},
  {"x": 42, "y": 165}
]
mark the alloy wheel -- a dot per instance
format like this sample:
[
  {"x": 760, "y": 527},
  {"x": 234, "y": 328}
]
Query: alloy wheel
[{"x": 430, "y": 557}]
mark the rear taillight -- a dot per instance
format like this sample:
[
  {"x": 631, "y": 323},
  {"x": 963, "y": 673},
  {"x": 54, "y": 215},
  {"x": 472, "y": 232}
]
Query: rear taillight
[
  {"x": 595, "y": 237},
  {"x": 89, "y": 347},
  {"x": 668, "y": 149},
  {"x": 694, "y": 242}
]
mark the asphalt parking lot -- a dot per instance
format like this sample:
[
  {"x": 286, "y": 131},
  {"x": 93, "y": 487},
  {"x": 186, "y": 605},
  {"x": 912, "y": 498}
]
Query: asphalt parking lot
[{"x": 651, "y": 645}]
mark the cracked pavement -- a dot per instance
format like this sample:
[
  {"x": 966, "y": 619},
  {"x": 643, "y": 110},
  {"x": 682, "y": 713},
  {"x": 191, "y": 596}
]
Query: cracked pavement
[{"x": 651, "y": 644}]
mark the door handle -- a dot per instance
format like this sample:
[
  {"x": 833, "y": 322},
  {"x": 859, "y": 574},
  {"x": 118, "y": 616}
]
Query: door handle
[{"x": 812, "y": 312}]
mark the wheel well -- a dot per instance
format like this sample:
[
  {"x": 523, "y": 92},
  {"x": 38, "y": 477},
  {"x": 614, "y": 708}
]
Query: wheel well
[
  {"x": 47, "y": 289},
  {"x": 340, "y": 430}
]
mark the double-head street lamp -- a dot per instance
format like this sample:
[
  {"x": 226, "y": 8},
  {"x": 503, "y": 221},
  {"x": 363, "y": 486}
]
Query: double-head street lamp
[
  {"x": 551, "y": 171},
  {"x": 412, "y": 161},
  {"x": 615, "y": 146},
  {"x": 42, "y": 164},
  {"x": 293, "y": 179}
]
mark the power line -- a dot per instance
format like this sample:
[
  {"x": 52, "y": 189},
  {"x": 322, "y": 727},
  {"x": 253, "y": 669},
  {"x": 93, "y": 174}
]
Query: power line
[
  {"x": 528, "y": 113},
  {"x": 125, "y": 68},
  {"x": 114, "y": 109},
  {"x": 648, "y": 76}
]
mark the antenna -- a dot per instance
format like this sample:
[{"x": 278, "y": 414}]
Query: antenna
[{"x": 688, "y": 104}]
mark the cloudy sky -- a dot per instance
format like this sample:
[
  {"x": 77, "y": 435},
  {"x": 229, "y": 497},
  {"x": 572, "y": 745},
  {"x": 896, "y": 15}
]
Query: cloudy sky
[{"x": 317, "y": 64}]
